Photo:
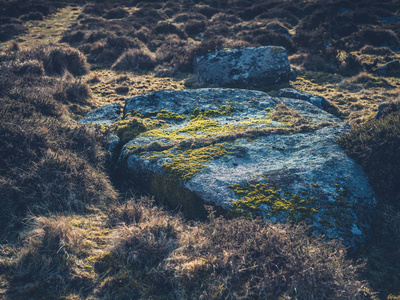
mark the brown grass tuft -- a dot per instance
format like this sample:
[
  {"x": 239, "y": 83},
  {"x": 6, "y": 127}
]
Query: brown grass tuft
[
  {"x": 43, "y": 265},
  {"x": 135, "y": 60}
]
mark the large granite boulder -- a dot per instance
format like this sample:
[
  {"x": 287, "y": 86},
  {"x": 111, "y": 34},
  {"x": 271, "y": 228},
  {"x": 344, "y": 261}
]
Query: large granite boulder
[
  {"x": 249, "y": 153},
  {"x": 253, "y": 67}
]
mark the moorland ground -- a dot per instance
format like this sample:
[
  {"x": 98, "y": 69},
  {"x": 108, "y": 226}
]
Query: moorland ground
[{"x": 72, "y": 228}]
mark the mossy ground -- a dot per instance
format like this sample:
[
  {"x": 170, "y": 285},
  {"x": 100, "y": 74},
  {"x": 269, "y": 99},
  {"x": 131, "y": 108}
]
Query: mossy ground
[{"x": 357, "y": 97}]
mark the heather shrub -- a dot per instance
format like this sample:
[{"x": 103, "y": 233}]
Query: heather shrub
[
  {"x": 72, "y": 91},
  {"x": 375, "y": 145},
  {"x": 30, "y": 67},
  {"x": 206, "y": 10},
  {"x": 9, "y": 31},
  {"x": 148, "y": 16},
  {"x": 195, "y": 27},
  {"x": 165, "y": 28},
  {"x": 365, "y": 16},
  {"x": 350, "y": 65},
  {"x": 278, "y": 27},
  {"x": 376, "y": 50},
  {"x": 313, "y": 62},
  {"x": 58, "y": 60},
  {"x": 143, "y": 34},
  {"x": 32, "y": 16},
  {"x": 313, "y": 40},
  {"x": 94, "y": 9},
  {"x": 135, "y": 60},
  {"x": 375, "y": 37},
  {"x": 228, "y": 19},
  {"x": 73, "y": 37},
  {"x": 281, "y": 14},
  {"x": 122, "y": 90},
  {"x": 116, "y": 13},
  {"x": 267, "y": 38},
  {"x": 250, "y": 13},
  {"x": 185, "y": 17},
  {"x": 7, "y": 20}
]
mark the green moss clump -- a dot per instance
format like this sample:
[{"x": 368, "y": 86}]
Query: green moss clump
[
  {"x": 197, "y": 127},
  {"x": 132, "y": 126},
  {"x": 224, "y": 110},
  {"x": 253, "y": 196},
  {"x": 201, "y": 127},
  {"x": 187, "y": 163},
  {"x": 167, "y": 115},
  {"x": 127, "y": 130}
]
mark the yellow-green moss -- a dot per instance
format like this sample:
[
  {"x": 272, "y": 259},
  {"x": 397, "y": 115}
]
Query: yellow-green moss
[
  {"x": 195, "y": 128},
  {"x": 167, "y": 115},
  {"x": 187, "y": 163},
  {"x": 200, "y": 127},
  {"x": 223, "y": 110},
  {"x": 132, "y": 126},
  {"x": 253, "y": 196}
]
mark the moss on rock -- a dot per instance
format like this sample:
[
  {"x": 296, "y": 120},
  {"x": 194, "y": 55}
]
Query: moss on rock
[{"x": 270, "y": 200}]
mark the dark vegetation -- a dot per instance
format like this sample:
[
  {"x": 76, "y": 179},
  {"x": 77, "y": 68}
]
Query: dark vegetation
[
  {"x": 51, "y": 168},
  {"x": 375, "y": 146},
  {"x": 46, "y": 164}
]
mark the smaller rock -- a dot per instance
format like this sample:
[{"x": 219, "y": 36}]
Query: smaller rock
[
  {"x": 381, "y": 108},
  {"x": 318, "y": 101},
  {"x": 293, "y": 74},
  {"x": 105, "y": 115},
  {"x": 251, "y": 67},
  {"x": 112, "y": 142},
  {"x": 391, "y": 19},
  {"x": 387, "y": 108},
  {"x": 391, "y": 68}
]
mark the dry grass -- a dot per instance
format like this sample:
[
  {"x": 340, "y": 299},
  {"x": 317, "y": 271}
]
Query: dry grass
[
  {"x": 162, "y": 255},
  {"x": 47, "y": 164},
  {"x": 104, "y": 87},
  {"x": 357, "y": 97}
]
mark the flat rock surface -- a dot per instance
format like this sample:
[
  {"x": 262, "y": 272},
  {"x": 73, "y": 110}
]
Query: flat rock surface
[
  {"x": 249, "y": 152},
  {"x": 253, "y": 67}
]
